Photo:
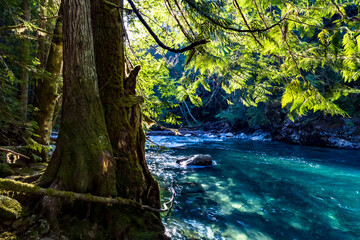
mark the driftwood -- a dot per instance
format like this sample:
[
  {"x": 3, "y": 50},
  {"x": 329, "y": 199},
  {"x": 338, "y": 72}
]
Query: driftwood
[
  {"x": 11, "y": 185},
  {"x": 15, "y": 153}
]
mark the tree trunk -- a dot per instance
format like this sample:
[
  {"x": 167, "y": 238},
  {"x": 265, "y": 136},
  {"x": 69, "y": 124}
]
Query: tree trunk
[
  {"x": 83, "y": 160},
  {"x": 46, "y": 93},
  {"x": 121, "y": 105},
  {"x": 24, "y": 58}
]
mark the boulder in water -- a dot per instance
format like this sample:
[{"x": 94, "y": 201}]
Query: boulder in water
[
  {"x": 229, "y": 134},
  {"x": 196, "y": 160}
]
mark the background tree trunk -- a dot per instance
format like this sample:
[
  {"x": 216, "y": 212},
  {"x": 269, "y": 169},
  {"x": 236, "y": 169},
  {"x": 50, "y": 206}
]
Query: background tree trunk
[
  {"x": 46, "y": 92},
  {"x": 24, "y": 58}
]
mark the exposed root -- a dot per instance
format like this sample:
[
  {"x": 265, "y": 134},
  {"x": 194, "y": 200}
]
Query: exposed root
[{"x": 11, "y": 185}]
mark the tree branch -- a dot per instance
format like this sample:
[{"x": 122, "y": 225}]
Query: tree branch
[
  {"x": 183, "y": 16},
  {"x": 15, "y": 153},
  {"x": 181, "y": 50},
  {"x": 338, "y": 8},
  {"x": 236, "y": 29},
  {"x": 246, "y": 22},
  {"x": 260, "y": 14},
  {"x": 173, "y": 14}
]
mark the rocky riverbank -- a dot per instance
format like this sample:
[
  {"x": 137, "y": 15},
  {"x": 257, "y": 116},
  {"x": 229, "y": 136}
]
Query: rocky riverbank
[{"x": 323, "y": 132}]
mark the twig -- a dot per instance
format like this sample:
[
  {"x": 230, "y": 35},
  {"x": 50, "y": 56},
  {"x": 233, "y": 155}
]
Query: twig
[
  {"x": 183, "y": 16},
  {"x": 292, "y": 55},
  {"x": 236, "y": 29},
  {"x": 190, "y": 112},
  {"x": 260, "y": 14},
  {"x": 338, "y": 8},
  {"x": 246, "y": 22},
  {"x": 15, "y": 153},
  {"x": 173, "y": 14},
  {"x": 7, "y": 68},
  {"x": 165, "y": 205}
]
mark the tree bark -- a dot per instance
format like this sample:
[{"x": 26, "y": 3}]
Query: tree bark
[
  {"x": 121, "y": 105},
  {"x": 82, "y": 161},
  {"x": 24, "y": 58},
  {"x": 46, "y": 92}
]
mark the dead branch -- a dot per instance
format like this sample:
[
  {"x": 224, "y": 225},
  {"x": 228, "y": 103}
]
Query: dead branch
[{"x": 15, "y": 153}]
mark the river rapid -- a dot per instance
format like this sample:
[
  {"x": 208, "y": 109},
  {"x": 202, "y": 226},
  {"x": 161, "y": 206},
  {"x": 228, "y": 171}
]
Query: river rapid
[{"x": 258, "y": 189}]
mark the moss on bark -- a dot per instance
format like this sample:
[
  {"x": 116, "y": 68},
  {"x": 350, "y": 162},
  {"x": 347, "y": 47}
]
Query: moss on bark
[
  {"x": 121, "y": 105},
  {"x": 46, "y": 91}
]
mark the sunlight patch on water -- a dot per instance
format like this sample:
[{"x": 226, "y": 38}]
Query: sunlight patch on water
[
  {"x": 263, "y": 190},
  {"x": 233, "y": 232}
]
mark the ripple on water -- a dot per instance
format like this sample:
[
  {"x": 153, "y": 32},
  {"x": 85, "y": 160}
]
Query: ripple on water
[{"x": 262, "y": 190}]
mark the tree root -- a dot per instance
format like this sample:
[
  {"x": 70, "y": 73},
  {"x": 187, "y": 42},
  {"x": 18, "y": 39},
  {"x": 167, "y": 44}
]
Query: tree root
[{"x": 11, "y": 185}]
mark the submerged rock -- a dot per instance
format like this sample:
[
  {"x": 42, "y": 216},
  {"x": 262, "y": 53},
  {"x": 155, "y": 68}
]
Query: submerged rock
[
  {"x": 196, "y": 160},
  {"x": 190, "y": 188}
]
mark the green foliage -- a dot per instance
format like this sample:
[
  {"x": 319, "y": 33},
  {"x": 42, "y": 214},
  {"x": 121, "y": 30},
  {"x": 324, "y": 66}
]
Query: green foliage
[
  {"x": 303, "y": 42},
  {"x": 307, "y": 55}
]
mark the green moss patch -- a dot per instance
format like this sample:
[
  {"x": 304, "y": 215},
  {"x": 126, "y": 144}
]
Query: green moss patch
[
  {"x": 5, "y": 170},
  {"x": 10, "y": 208}
]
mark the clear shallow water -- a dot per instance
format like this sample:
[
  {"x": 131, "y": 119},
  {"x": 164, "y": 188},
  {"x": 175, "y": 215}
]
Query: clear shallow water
[{"x": 259, "y": 190}]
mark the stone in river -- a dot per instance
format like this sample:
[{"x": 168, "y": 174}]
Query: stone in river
[
  {"x": 229, "y": 134},
  {"x": 196, "y": 160}
]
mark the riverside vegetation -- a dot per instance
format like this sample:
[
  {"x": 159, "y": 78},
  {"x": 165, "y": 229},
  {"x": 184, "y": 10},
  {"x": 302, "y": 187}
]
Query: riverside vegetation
[{"x": 101, "y": 72}]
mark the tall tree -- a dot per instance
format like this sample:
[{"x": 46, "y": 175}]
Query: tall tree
[
  {"x": 121, "y": 105},
  {"x": 25, "y": 58},
  {"x": 46, "y": 91},
  {"x": 84, "y": 150}
]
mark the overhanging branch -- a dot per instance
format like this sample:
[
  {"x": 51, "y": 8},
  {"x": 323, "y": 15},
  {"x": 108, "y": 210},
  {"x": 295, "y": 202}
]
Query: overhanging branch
[
  {"x": 235, "y": 29},
  {"x": 161, "y": 44}
]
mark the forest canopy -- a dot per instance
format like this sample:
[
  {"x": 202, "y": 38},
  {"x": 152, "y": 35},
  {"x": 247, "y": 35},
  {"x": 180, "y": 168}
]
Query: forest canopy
[{"x": 304, "y": 54}]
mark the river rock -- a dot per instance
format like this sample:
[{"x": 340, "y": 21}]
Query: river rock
[
  {"x": 229, "y": 134},
  {"x": 190, "y": 188},
  {"x": 196, "y": 160}
]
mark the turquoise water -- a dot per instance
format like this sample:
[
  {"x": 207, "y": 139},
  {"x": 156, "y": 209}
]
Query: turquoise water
[{"x": 259, "y": 190}]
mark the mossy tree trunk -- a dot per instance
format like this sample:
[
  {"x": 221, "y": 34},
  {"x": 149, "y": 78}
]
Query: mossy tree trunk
[
  {"x": 104, "y": 158},
  {"x": 82, "y": 161},
  {"x": 46, "y": 91},
  {"x": 121, "y": 105},
  {"x": 24, "y": 58}
]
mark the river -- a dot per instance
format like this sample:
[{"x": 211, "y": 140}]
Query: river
[{"x": 258, "y": 190}]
